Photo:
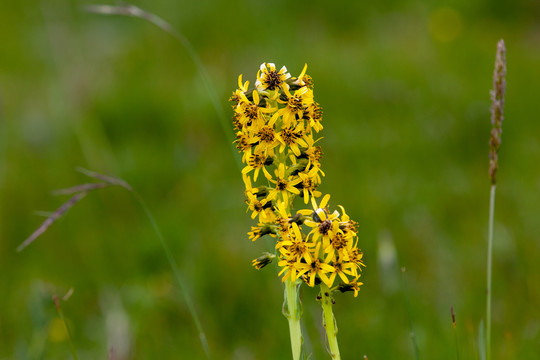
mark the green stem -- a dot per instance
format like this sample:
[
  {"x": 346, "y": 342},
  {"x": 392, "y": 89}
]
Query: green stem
[
  {"x": 329, "y": 322},
  {"x": 134, "y": 11},
  {"x": 293, "y": 315},
  {"x": 177, "y": 275},
  {"x": 489, "y": 272},
  {"x": 70, "y": 338}
]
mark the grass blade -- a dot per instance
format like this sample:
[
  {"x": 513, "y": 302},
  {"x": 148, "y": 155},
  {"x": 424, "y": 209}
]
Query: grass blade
[
  {"x": 51, "y": 219},
  {"x": 134, "y": 11},
  {"x": 70, "y": 337},
  {"x": 112, "y": 181}
]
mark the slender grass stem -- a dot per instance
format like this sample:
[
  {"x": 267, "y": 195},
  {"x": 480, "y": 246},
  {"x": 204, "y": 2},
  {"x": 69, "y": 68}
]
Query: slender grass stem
[
  {"x": 80, "y": 191},
  {"x": 134, "y": 11},
  {"x": 177, "y": 275},
  {"x": 70, "y": 338},
  {"x": 293, "y": 314},
  {"x": 329, "y": 322},
  {"x": 409, "y": 313},
  {"x": 455, "y": 332},
  {"x": 497, "y": 117},
  {"x": 489, "y": 271}
]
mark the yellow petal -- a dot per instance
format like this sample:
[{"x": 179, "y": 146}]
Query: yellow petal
[{"x": 256, "y": 97}]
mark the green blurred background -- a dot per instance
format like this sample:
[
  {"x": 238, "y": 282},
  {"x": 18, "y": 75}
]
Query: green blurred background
[{"x": 405, "y": 91}]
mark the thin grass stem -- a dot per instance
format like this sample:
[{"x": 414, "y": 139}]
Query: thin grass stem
[
  {"x": 176, "y": 272},
  {"x": 489, "y": 270},
  {"x": 497, "y": 117},
  {"x": 455, "y": 332},
  {"x": 83, "y": 189},
  {"x": 134, "y": 11},
  {"x": 70, "y": 337},
  {"x": 411, "y": 322}
]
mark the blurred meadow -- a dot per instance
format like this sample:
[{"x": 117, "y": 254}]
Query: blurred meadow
[{"x": 405, "y": 92}]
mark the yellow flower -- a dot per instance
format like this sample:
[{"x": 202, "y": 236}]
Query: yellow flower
[
  {"x": 295, "y": 104},
  {"x": 284, "y": 185},
  {"x": 290, "y": 267},
  {"x": 309, "y": 183},
  {"x": 270, "y": 79},
  {"x": 349, "y": 227},
  {"x": 265, "y": 139},
  {"x": 314, "y": 115},
  {"x": 343, "y": 269},
  {"x": 355, "y": 257},
  {"x": 302, "y": 79},
  {"x": 263, "y": 260},
  {"x": 314, "y": 153},
  {"x": 242, "y": 89},
  {"x": 351, "y": 286},
  {"x": 274, "y": 126},
  {"x": 324, "y": 225},
  {"x": 250, "y": 113},
  {"x": 257, "y": 206},
  {"x": 295, "y": 246},
  {"x": 242, "y": 143},
  {"x": 283, "y": 218},
  {"x": 260, "y": 230},
  {"x": 314, "y": 267},
  {"x": 338, "y": 244},
  {"x": 293, "y": 137},
  {"x": 256, "y": 161}
]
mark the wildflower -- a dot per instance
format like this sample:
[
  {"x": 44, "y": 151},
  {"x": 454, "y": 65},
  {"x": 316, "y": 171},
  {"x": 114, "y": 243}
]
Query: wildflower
[
  {"x": 258, "y": 207},
  {"x": 313, "y": 153},
  {"x": 295, "y": 104},
  {"x": 284, "y": 184},
  {"x": 283, "y": 218},
  {"x": 242, "y": 143},
  {"x": 290, "y": 269},
  {"x": 249, "y": 112},
  {"x": 313, "y": 114},
  {"x": 274, "y": 126},
  {"x": 303, "y": 79},
  {"x": 292, "y": 137},
  {"x": 351, "y": 286},
  {"x": 256, "y": 162},
  {"x": 270, "y": 79},
  {"x": 295, "y": 246},
  {"x": 309, "y": 182},
  {"x": 260, "y": 230},
  {"x": 242, "y": 89},
  {"x": 348, "y": 226},
  {"x": 324, "y": 225},
  {"x": 314, "y": 267},
  {"x": 263, "y": 260},
  {"x": 355, "y": 257},
  {"x": 265, "y": 139},
  {"x": 342, "y": 269},
  {"x": 338, "y": 244}
]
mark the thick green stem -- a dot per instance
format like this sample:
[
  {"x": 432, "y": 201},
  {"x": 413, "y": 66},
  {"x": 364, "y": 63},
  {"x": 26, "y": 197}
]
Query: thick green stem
[
  {"x": 293, "y": 314},
  {"x": 329, "y": 322},
  {"x": 489, "y": 266}
]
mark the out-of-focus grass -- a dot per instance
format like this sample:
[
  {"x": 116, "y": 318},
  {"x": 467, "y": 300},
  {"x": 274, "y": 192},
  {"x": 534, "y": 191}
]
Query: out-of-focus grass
[{"x": 405, "y": 142}]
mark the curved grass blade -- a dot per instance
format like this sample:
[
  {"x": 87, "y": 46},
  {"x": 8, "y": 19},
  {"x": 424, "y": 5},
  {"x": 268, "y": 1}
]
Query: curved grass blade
[
  {"x": 134, "y": 11},
  {"x": 80, "y": 192}
]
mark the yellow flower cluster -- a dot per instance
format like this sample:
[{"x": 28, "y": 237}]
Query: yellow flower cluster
[{"x": 274, "y": 123}]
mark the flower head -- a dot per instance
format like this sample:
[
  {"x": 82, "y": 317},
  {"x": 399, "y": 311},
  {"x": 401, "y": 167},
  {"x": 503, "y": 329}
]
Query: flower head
[
  {"x": 263, "y": 260},
  {"x": 274, "y": 126},
  {"x": 268, "y": 78}
]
